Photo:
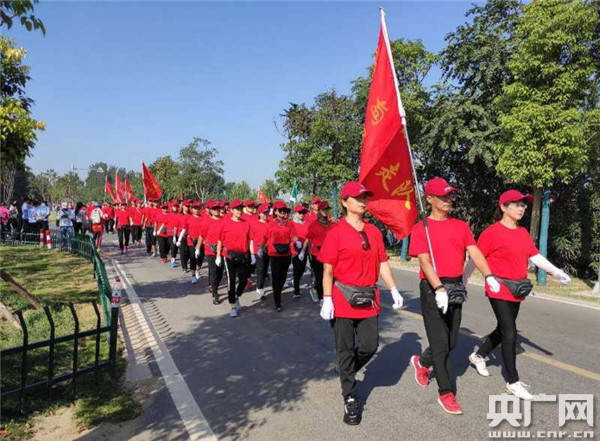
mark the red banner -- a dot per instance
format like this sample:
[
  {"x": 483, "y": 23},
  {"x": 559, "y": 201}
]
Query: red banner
[
  {"x": 262, "y": 198},
  {"x": 385, "y": 164},
  {"x": 119, "y": 187},
  {"x": 152, "y": 190},
  {"x": 128, "y": 193},
  {"x": 108, "y": 189}
]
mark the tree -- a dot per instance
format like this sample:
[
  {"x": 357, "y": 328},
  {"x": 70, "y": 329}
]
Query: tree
[
  {"x": 543, "y": 114},
  {"x": 165, "y": 170},
  {"x": 270, "y": 189},
  {"x": 68, "y": 187},
  {"x": 42, "y": 185},
  {"x": 240, "y": 190},
  {"x": 201, "y": 174},
  {"x": 21, "y": 9},
  {"x": 17, "y": 127}
]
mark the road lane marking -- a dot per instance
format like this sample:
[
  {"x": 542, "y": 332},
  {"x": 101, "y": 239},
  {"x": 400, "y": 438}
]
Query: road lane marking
[
  {"x": 192, "y": 417},
  {"x": 533, "y": 355}
]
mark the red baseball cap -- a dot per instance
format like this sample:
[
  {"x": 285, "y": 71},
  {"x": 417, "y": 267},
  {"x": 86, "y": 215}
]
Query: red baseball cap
[
  {"x": 263, "y": 208},
  {"x": 354, "y": 189},
  {"x": 235, "y": 203},
  {"x": 514, "y": 196},
  {"x": 280, "y": 205},
  {"x": 196, "y": 205},
  {"x": 438, "y": 187},
  {"x": 249, "y": 203},
  {"x": 186, "y": 203},
  {"x": 324, "y": 205},
  {"x": 300, "y": 209},
  {"x": 316, "y": 200}
]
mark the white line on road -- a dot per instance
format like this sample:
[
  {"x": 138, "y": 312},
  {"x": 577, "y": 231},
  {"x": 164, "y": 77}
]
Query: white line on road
[{"x": 196, "y": 425}]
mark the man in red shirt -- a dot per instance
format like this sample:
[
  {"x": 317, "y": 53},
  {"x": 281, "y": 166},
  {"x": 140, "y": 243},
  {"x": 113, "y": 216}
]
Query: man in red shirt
[
  {"x": 209, "y": 237},
  {"x": 109, "y": 217},
  {"x": 164, "y": 231},
  {"x": 136, "y": 214},
  {"x": 123, "y": 223},
  {"x": 149, "y": 214},
  {"x": 450, "y": 239}
]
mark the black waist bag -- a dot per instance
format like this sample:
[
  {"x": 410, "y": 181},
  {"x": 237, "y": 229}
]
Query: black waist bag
[
  {"x": 457, "y": 293},
  {"x": 236, "y": 257},
  {"x": 282, "y": 248},
  {"x": 519, "y": 288},
  {"x": 358, "y": 296}
]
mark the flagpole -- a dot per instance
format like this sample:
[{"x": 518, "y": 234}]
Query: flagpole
[
  {"x": 403, "y": 121},
  {"x": 144, "y": 185}
]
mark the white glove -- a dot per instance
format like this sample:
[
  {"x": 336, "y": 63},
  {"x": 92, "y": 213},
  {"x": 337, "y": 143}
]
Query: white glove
[
  {"x": 154, "y": 233},
  {"x": 301, "y": 255},
  {"x": 178, "y": 243},
  {"x": 260, "y": 252},
  {"x": 298, "y": 244},
  {"x": 252, "y": 259},
  {"x": 441, "y": 299},
  {"x": 174, "y": 240},
  {"x": 218, "y": 261},
  {"x": 398, "y": 299},
  {"x": 562, "y": 277},
  {"x": 197, "y": 253},
  {"x": 327, "y": 308},
  {"x": 493, "y": 284}
]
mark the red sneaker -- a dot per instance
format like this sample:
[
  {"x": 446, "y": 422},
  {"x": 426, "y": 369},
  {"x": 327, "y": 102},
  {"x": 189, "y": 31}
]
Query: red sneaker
[
  {"x": 421, "y": 372},
  {"x": 449, "y": 404},
  {"x": 249, "y": 285}
]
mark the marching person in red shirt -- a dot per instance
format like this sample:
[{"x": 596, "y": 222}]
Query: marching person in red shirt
[
  {"x": 280, "y": 239},
  {"x": 508, "y": 248},
  {"x": 163, "y": 222},
  {"x": 234, "y": 244},
  {"x": 182, "y": 230},
  {"x": 299, "y": 259},
  {"x": 209, "y": 237},
  {"x": 136, "y": 214},
  {"x": 123, "y": 223},
  {"x": 173, "y": 223},
  {"x": 109, "y": 218},
  {"x": 258, "y": 231},
  {"x": 442, "y": 290},
  {"x": 250, "y": 215},
  {"x": 194, "y": 250},
  {"x": 312, "y": 215},
  {"x": 315, "y": 237},
  {"x": 97, "y": 224},
  {"x": 150, "y": 212},
  {"x": 353, "y": 255}
]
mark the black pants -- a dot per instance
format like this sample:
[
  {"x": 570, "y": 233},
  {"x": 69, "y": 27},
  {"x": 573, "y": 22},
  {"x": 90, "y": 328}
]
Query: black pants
[
  {"x": 351, "y": 354},
  {"x": 43, "y": 226},
  {"x": 185, "y": 254},
  {"x": 215, "y": 275},
  {"x": 279, "y": 269},
  {"x": 188, "y": 253},
  {"x": 505, "y": 334},
  {"x": 164, "y": 244},
  {"x": 123, "y": 233},
  {"x": 174, "y": 248},
  {"x": 442, "y": 330},
  {"x": 240, "y": 270},
  {"x": 109, "y": 226},
  {"x": 136, "y": 233},
  {"x": 262, "y": 266},
  {"x": 317, "y": 268},
  {"x": 299, "y": 267},
  {"x": 150, "y": 239},
  {"x": 77, "y": 227}
]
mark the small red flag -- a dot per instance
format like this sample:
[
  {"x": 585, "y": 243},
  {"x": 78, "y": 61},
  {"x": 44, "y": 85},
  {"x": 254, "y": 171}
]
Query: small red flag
[
  {"x": 128, "y": 193},
  {"x": 385, "y": 163},
  {"x": 151, "y": 188},
  {"x": 108, "y": 189},
  {"x": 262, "y": 198},
  {"x": 119, "y": 187}
]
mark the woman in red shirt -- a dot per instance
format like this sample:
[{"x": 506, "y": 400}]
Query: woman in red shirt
[
  {"x": 317, "y": 231},
  {"x": 507, "y": 248},
  {"x": 209, "y": 237},
  {"x": 164, "y": 231},
  {"x": 137, "y": 215},
  {"x": 234, "y": 238},
  {"x": 258, "y": 230},
  {"x": 123, "y": 223},
  {"x": 280, "y": 239},
  {"x": 353, "y": 255},
  {"x": 299, "y": 259}
]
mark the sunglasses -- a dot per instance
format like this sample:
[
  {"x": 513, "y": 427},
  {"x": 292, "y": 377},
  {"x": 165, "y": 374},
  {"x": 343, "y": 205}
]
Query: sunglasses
[{"x": 365, "y": 241}]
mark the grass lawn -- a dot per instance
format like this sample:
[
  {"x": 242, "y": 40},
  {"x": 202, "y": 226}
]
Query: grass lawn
[{"x": 56, "y": 278}]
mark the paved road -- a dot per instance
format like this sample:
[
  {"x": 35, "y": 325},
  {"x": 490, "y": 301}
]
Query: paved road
[{"x": 271, "y": 376}]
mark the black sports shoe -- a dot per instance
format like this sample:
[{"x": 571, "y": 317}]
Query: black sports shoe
[
  {"x": 351, "y": 411},
  {"x": 215, "y": 301}
]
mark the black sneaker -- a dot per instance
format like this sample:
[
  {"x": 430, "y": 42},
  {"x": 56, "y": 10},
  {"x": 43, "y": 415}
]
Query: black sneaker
[
  {"x": 351, "y": 411},
  {"x": 215, "y": 301},
  {"x": 296, "y": 295}
]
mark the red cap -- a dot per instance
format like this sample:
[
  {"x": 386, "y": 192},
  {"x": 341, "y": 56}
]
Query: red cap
[
  {"x": 323, "y": 205},
  {"x": 354, "y": 189},
  {"x": 196, "y": 205},
  {"x": 164, "y": 206},
  {"x": 280, "y": 205},
  {"x": 235, "y": 203},
  {"x": 212, "y": 204},
  {"x": 187, "y": 203},
  {"x": 249, "y": 203},
  {"x": 300, "y": 209},
  {"x": 316, "y": 200},
  {"x": 263, "y": 208},
  {"x": 438, "y": 187},
  {"x": 514, "y": 196}
]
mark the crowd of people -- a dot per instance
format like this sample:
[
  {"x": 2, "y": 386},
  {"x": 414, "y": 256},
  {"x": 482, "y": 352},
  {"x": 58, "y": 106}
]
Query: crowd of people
[{"x": 347, "y": 257}]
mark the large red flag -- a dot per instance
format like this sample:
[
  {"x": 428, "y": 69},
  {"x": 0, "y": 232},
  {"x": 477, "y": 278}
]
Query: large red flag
[
  {"x": 128, "y": 193},
  {"x": 151, "y": 188},
  {"x": 262, "y": 198},
  {"x": 119, "y": 187},
  {"x": 385, "y": 162},
  {"x": 108, "y": 189}
]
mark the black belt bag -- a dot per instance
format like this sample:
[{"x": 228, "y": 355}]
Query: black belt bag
[
  {"x": 457, "y": 293},
  {"x": 358, "y": 296},
  {"x": 237, "y": 257},
  {"x": 282, "y": 248},
  {"x": 519, "y": 288}
]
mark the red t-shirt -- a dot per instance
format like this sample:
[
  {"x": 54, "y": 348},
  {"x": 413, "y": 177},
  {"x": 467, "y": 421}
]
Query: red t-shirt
[
  {"x": 250, "y": 218},
  {"x": 136, "y": 215},
  {"x": 148, "y": 213},
  {"x": 170, "y": 221},
  {"x": 309, "y": 218},
  {"x": 280, "y": 234},
  {"x": 109, "y": 212},
  {"x": 507, "y": 252},
  {"x": 122, "y": 217},
  {"x": 316, "y": 235},
  {"x": 194, "y": 226},
  {"x": 235, "y": 235},
  {"x": 210, "y": 231},
  {"x": 258, "y": 231},
  {"x": 449, "y": 240},
  {"x": 301, "y": 230},
  {"x": 352, "y": 265}
]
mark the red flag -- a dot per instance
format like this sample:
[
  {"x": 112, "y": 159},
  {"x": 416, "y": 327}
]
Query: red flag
[
  {"x": 119, "y": 187},
  {"x": 128, "y": 193},
  {"x": 385, "y": 163},
  {"x": 262, "y": 198},
  {"x": 151, "y": 187},
  {"x": 108, "y": 189}
]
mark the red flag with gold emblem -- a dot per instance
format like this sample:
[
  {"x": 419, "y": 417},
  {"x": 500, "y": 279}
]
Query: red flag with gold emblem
[
  {"x": 152, "y": 190},
  {"x": 385, "y": 162}
]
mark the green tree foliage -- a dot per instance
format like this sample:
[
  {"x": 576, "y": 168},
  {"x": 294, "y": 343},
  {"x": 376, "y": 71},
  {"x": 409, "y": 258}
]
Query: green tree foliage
[
  {"x": 21, "y": 10},
  {"x": 68, "y": 187},
  {"x": 240, "y": 190},
  {"x": 270, "y": 189},
  {"x": 42, "y": 185},
  {"x": 200, "y": 172}
]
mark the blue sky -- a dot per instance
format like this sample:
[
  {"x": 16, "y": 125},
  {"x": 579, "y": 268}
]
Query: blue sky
[{"x": 123, "y": 82}]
